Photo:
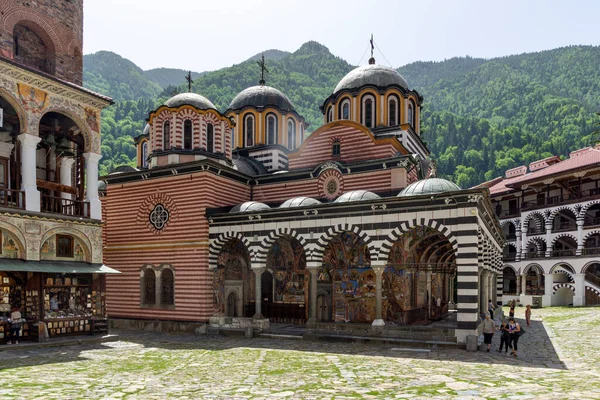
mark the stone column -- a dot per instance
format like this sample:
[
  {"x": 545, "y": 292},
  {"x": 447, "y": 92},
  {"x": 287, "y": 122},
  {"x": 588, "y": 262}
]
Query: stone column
[
  {"x": 518, "y": 284},
  {"x": 548, "y": 284},
  {"x": 378, "y": 267},
  {"x": 28, "y": 171},
  {"x": 258, "y": 269},
  {"x": 548, "y": 248},
  {"x": 430, "y": 300},
  {"x": 157, "y": 288},
  {"x": 91, "y": 175},
  {"x": 580, "y": 243},
  {"x": 66, "y": 175},
  {"x": 523, "y": 241},
  {"x": 313, "y": 268},
  {"x": 579, "y": 297},
  {"x": 523, "y": 284},
  {"x": 519, "y": 249}
]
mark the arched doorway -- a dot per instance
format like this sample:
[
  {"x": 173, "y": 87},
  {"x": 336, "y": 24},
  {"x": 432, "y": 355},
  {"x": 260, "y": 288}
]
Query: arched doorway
[
  {"x": 534, "y": 281},
  {"x": 323, "y": 308},
  {"x": 10, "y": 169},
  {"x": 509, "y": 253},
  {"x": 592, "y": 280},
  {"x": 536, "y": 225},
  {"x": 417, "y": 279},
  {"x": 289, "y": 283},
  {"x": 564, "y": 220},
  {"x": 233, "y": 281},
  {"x": 564, "y": 246},
  {"x": 347, "y": 278},
  {"x": 509, "y": 281},
  {"x": 563, "y": 297}
]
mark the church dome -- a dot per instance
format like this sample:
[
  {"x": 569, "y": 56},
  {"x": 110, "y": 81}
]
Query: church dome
[
  {"x": 261, "y": 96},
  {"x": 190, "y": 99},
  {"x": 429, "y": 186},
  {"x": 146, "y": 130},
  {"x": 299, "y": 202},
  {"x": 371, "y": 74},
  {"x": 356, "y": 195},
  {"x": 249, "y": 206}
]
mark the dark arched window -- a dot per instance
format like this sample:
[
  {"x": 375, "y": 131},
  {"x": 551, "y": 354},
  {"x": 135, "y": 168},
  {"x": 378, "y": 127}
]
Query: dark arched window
[
  {"x": 144, "y": 162},
  {"x": 336, "y": 148},
  {"x": 233, "y": 138},
  {"x": 346, "y": 109},
  {"x": 271, "y": 129},
  {"x": 210, "y": 138},
  {"x": 291, "y": 134},
  {"x": 167, "y": 293},
  {"x": 411, "y": 114},
  {"x": 149, "y": 287},
  {"x": 187, "y": 134},
  {"x": 167, "y": 135},
  {"x": 330, "y": 114},
  {"x": 301, "y": 134},
  {"x": 393, "y": 112},
  {"x": 249, "y": 131},
  {"x": 369, "y": 110}
]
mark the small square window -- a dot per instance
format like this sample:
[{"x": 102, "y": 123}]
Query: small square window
[
  {"x": 64, "y": 246},
  {"x": 336, "y": 149}
]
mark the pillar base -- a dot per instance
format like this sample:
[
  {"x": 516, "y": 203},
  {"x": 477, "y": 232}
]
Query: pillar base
[
  {"x": 578, "y": 301},
  {"x": 378, "y": 322},
  {"x": 258, "y": 316},
  {"x": 95, "y": 209},
  {"x": 32, "y": 199}
]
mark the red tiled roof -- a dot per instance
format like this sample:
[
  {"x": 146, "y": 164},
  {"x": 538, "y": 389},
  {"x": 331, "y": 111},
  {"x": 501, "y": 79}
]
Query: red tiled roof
[{"x": 588, "y": 158}]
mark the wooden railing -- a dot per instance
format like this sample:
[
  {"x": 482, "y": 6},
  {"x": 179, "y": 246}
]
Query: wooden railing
[
  {"x": 563, "y": 253},
  {"x": 12, "y": 198},
  {"x": 58, "y": 205},
  {"x": 590, "y": 251}
]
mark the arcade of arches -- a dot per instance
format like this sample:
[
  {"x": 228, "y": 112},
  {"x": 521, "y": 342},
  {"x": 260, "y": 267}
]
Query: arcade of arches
[{"x": 415, "y": 284}]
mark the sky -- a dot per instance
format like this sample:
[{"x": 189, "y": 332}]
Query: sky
[{"x": 201, "y": 35}]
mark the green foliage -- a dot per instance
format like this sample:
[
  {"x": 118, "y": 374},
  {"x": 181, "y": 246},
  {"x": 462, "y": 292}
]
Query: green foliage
[{"x": 480, "y": 117}]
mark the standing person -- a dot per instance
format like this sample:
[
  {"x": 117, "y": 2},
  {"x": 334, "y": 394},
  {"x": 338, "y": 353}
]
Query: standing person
[
  {"x": 491, "y": 308},
  {"x": 528, "y": 315},
  {"x": 15, "y": 326},
  {"x": 488, "y": 331},
  {"x": 511, "y": 311},
  {"x": 513, "y": 334},
  {"x": 503, "y": 336}
]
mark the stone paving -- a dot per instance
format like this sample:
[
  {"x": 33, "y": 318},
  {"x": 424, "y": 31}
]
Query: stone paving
[{"x": 558, "y": 359}]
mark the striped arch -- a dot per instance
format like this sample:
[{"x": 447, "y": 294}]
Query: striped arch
[
  {"x": 562, "y": 235},
  {"x": 564, "y": 266},
  {"x": 536, "y": 240},
  {"x": 558, "y": 286},
  {"x": 593, "y": 290},
  {"x": 541, "y": 225},
  {"x": 586, "y": 266},
  {"x": 504, "y": 266},
  {"x": 590, "y": 234},
  {"x": 184, "y": 114},
  {"x": 513, "y": 222},
  {"x": 405, "y": 226},
  {"x": 537, "y": 267},
  {"x": 587, "y": 207},
  {"x": 563, "y": 272},
  {"x": 325, "y": 238},
  {"x": 555, "y": 212},
  {"x": 267, "y": 243},
  {"x": 217, "y": 244}
]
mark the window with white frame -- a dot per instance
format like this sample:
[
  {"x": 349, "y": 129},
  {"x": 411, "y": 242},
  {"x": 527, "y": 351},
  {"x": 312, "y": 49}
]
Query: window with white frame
[
  {"x": 330, "y": 114},
  {"x": 210, "y": 138},
  {"x": 167, "y": 135},
  {"x": 345, "y": 109},
  {"x": 392, "y": 112},
  {"x": 368, "y": 111},
  {"x": 187, "y": 134},
  {"x": 291, "y": 134},
  {"x": 249, "y": 131},
  {"x": 271, "y": 129}
]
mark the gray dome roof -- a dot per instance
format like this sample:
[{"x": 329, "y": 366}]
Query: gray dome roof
[
  {"x": 122, "y": 169},
  {"x": 429, "y": 186},
  {"x": 101, "y": 186},
  {"x": 192, "y": 99},
  {"x": 249, "y": 206},
  {"x": 299, "y": 202},
  {"x": 372, "y": 74},
  {"x": 249, "y": 166},
  {"x": 356, "y": 195},
  {"x": 146, "y": 130},
  {"x": 261, "y": 96}
]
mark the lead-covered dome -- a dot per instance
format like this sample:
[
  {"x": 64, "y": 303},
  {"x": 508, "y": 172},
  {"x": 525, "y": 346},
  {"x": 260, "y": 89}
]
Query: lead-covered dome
[
  {"x": 356, "y": 195},
  {"x": 261, "y": 96},
  {"x": 372, "y": 74},
  {"x": 429, "y": 186},
  {"x": 249, "y": 206},
  {"x": 300, "y": 202},
  {"x": 190, "y": 99}
]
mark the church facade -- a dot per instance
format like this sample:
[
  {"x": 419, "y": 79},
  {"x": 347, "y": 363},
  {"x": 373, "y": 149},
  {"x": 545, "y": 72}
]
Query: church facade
[{"x": 238, "y": 215}]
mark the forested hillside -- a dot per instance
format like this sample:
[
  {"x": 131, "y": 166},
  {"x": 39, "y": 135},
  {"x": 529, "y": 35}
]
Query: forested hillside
[{"x": 480, "y": 117}]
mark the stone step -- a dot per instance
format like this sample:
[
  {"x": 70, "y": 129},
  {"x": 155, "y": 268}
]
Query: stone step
[
  {"x": 384, "y": 340},
  {"x": 279, "y": 336}
]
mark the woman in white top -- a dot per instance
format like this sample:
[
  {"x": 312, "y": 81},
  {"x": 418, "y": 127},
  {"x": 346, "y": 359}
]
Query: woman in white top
[{"x": 15, "y": 326}]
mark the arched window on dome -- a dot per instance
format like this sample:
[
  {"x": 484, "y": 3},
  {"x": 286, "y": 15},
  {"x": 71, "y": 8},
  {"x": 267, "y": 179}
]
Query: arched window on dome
[
  {"x": 411, "y": 114},
  {"x": 392, "y": 111},
  {"x": 144, "y": 162},
  {"x": 336, "y": 148},
  {"x": 233, "y": 138},
  {"x": 187, "y": 134},
  {"x": 329, "y": 114},
  {"x": 291, "y": 131},
  {"x": 368, "y": 111},
  {"x": 345, "y": 109},
  {"x": 271, "y": 129},
  {"x": 210, "y": 138},
  {"x": 301, "y": 134},
  {"x": 167, "y": 135},
  {"x": 249, "y": 131}
]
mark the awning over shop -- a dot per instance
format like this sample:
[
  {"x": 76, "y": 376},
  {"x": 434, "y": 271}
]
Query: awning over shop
[{"x": 60, "y": 267}]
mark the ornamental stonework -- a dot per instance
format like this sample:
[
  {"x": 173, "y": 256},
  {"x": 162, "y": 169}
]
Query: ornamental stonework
[
  {"x": 156, "y": 212},
  {"x": 330, "y": 184}
]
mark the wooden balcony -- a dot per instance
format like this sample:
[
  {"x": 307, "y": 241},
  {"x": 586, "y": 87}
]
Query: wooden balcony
[
  {"x": 12, "y": 198},
  {"x": 58, "y": 205}
]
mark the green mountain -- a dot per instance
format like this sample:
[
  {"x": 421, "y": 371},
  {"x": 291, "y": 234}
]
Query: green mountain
[
  {"x": 271, "y": 55},
  {"x": 480, "y": 117},
  {"x": 169, "y": 76}
]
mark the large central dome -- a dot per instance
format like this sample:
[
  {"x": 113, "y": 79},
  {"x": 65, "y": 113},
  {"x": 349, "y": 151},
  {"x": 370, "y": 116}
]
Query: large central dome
[
  {"x": 372, "y": 74},
  {"x": 191, "y": 99},
  {"x": 261, "y": 96}
]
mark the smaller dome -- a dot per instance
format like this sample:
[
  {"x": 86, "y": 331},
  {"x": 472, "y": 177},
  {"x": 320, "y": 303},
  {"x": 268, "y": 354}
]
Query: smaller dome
[
  {"x": 146, "y": 130},
  {"x": 123, "y": 169},
  {"x": 429, "y": 186},
  {"x": 261, "y": 96},
  {"x": 249, "y": 206},
  {"x": 190, "y": 99},
  {"x": 101, "y": 186},
  {"x": 356, "y": 195},
  {"x": 299, "y": 202}
]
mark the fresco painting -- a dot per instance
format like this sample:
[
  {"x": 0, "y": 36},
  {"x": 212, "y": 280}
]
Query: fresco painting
[
  {"x": 288, "y": 262},
  {"x": 232, "y": 265},
  {"x": 347, "y": 266}
]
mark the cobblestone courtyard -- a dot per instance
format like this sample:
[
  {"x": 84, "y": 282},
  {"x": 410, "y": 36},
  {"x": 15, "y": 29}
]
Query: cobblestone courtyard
[{"x": 558, "y": 359}]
